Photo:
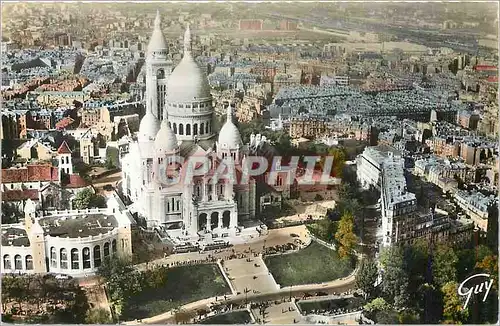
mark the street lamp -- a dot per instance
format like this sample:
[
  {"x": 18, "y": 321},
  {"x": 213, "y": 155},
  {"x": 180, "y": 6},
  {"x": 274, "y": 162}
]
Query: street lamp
[{"x": 290, "y": 293}]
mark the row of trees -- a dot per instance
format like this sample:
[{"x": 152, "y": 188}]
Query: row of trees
[
  {"x": 420, "y": 282},
  {"x": 41, "y": 298},
  {"x": 123, "y": 281}
]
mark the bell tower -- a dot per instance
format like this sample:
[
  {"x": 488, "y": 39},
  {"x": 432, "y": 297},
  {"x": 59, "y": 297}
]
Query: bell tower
[{"x": 158, "y": 69}]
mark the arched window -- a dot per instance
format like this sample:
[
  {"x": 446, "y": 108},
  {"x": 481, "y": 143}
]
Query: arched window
[
  {"x": 53, "y": 257},
  {"x": 86, "y": 257},
  {"x": 206, "y": 127},
  {"x": 169, "y": 124},
  {"x": 202, "y": 128},
  {"x": 18, "y": 262},
  {"x": 97, "y": 256},
  {"x": 106, "y": 249},
  {"x": 181, "y": 129},
  {"x": 6, "y": 262},
  {"x": 188, "y": 129},
  {"x": 173, "y": 201},
  {"x": 29, "y": 262},
  {"x": 75, "y": 263},
  {"x": 63, "y": 257},
  {"x": 195, "y": 129},
  {"x": 113, "y": 246},
  {"x": 160, "y": 74},
  {"x": 178, "y": 205},
  {"x": 175, "y": 128}
]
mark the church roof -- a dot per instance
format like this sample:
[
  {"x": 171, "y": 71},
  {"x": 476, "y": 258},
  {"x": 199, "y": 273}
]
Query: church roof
[
  {"x": 64, "y": 148},
  {"x": 188, "y": 148},
  {"x": 19, "y": 195},
  {"x": 30, "y": 173}
]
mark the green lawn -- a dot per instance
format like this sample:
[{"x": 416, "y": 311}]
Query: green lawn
[
  {"x": 234, "y": 317},
  {"x": 346, "y": 303},
  {"x": 184, "y": 284},
  {"x": 314, "y": 264}
]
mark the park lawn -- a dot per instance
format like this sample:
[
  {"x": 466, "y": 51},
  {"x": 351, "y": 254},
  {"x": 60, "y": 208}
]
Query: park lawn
[
  {"x": 314, "y": 264},
  {"x": 308, "y": 306},
  {"x": 233, "y": 317},
  {"x": 184, "y": 284}
]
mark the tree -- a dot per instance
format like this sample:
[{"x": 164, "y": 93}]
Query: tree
[
  {"x": 10, "y": 213},
  {"x": 339, "y": 158},
  {"x": 489, "y": 264},
  {"x": 387, "y": 316},
  {"x": 324, "y": 229},
  {"x": 492, "y": 232},
  {"x": 377, "y": 304},
  {"x": 395, "y": 279},
  {"x": 453, "y": 312},
  {"x": 366, "y": 277},
  {"x": 56, "y": 301},
  {"x": 88, "y": 199},
  {"x": 409, "y": 317},
  {"x": 430, "y": 303},
  {"x": 98, "y": 316},
  {"x": 345, "y": 235},
  {"x": 121, "y": 278},
  {"x": 444, "y": 266}
]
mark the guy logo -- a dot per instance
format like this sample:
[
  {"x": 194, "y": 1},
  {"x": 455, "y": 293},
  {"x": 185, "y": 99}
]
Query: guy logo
[{"x": 464, "y": 290}]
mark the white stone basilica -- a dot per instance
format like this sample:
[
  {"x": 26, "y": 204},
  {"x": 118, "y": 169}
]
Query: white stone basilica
[{"x": 179, "y": 123}]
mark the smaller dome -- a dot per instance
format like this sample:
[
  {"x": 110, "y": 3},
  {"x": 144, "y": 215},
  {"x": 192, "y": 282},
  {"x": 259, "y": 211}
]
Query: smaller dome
[
  {"x": 166, "y": 141},
  {"x": 229, "y": 135},
  {"x": 148, "y": 128}
]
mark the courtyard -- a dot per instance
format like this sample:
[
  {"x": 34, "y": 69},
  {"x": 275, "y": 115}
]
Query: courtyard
[
  {"x": 249, "y": 274},
  {"x": 278, "y": 314},
  {"x": 184, "y": 284},
  {"x": 314, "y": 264}
]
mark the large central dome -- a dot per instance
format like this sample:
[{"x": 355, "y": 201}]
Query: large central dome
[{"x": 188, "y": 82}]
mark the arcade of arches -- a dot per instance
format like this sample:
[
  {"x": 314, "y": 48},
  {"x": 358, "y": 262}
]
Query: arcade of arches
[{"x": 214, "y": 221}]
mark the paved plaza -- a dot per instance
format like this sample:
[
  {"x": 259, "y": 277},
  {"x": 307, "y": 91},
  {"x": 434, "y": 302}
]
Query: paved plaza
[
  {"x": 249, "y": 274},
  {"x": 279, "y": 314}
]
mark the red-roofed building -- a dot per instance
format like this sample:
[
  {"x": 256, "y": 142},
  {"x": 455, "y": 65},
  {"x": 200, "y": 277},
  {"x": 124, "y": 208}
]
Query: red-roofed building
[
  {"x": 76, "y": 181},
  {"x": 41, "y": 183},
  {"x": 20, "y": 195},
  {"x": 64, "y": 148},
  {"x": 29, "y": 173},
  {"x": 485, "y": 68},
  {"x": 65, "y": 123}
]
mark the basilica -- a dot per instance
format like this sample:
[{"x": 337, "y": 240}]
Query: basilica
[{"x": 179, "y": 123}]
